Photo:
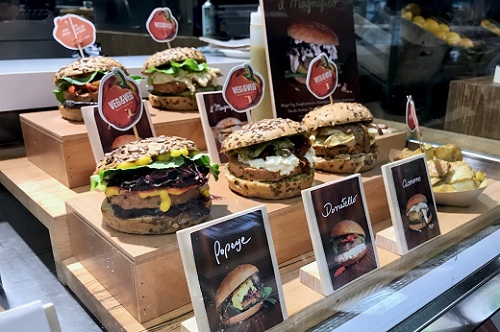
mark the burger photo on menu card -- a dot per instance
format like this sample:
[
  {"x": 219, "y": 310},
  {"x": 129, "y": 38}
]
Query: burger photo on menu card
[
  {"x": 307, "y": 41},
  {"x": 155, "y": 186},
  {"x": 241, "y": 294},
  {"x": 78, "y": 84},
  {"x": 341, "y": 138},
  {"x": 175, "y": 75},
  {"x": 269, "y": 159}
]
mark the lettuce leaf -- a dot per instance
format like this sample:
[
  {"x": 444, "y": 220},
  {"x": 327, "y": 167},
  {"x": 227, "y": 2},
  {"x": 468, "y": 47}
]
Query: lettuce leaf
[
  {"x": 187, "y": 65},
  {"x": 64, "y": 83},
  {"x": 98, "y": 180}
]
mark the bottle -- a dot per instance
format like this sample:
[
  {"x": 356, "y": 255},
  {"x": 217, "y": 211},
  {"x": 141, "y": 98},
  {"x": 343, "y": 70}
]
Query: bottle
[
  {"x": 259, "y": 62},
  {"x": 208, "y": 19}
]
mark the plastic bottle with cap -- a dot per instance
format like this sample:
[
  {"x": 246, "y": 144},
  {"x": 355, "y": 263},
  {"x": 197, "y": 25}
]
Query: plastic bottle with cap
[
  {"x": 208, "y": 19},
  {"x": 259, "y": 63}
]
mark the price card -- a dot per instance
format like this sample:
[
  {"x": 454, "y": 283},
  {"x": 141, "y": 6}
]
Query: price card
[
  {"x": 411, "y": 203},
  {"x": 74, "y": 32},
  {"x": 341, "y": 232},
  {"x": 233, "y": 275},
  {"x": 219, "y": 120},
  {"x": 243, "y": 88}
]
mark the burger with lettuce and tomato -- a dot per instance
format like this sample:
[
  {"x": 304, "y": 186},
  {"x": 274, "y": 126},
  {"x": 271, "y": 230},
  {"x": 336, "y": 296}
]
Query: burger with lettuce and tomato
[
  {"x": 156, "y": 185},
  {"x": 175, "y": 75},
  {"x": 78, "y": 84}
]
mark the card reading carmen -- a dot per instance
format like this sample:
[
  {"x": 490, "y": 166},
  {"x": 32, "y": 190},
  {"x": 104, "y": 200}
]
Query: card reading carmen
[
  {"x": 219, "y": 120},
  {"x": 341, "y": 232},
  {"x": 411, "y": 202},
  {"x": 232, "y": 271}
]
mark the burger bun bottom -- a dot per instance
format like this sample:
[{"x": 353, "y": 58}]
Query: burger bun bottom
[
  {"x": 150, "y": 224},
  {"x": 245, "y": 314},
  {"x": 270, "y": 190},
  {"x": 356, "y": 164},
  {"x": 173, "y": 103},
  {"x": 72, "y": 114}
]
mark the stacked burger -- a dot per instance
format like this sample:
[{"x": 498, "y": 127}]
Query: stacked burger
[
  {"x": 340, "y": 137},
  {"x": 154, "y": 186},
  {"x": 270, "y": 159},
  {"x": 78, "y": 84},
  {"x": 175, "y": 75}
]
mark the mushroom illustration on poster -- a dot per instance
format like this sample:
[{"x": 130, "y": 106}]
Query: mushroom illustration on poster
[{"x": 296, "y": 33}]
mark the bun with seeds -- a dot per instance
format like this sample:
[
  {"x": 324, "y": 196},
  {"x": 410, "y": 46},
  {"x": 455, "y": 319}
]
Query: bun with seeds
[
  {"x": 175, "y": 75},
  {"x": 78, "y": 84},
  {"x": 270, "y": 159},
  {"x": 155, "y": 186},
  {"x": 340, "y": 137}
]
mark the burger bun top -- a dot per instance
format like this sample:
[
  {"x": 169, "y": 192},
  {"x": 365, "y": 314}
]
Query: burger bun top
[
  {"x": 152, "y": 147},
  {"x": 177, "y": 54},
  {"x": 235, "y": 278},
  {"x": 87, "y": 66},
  {"x": 347, "y": 227},
  {"x": 414, "y": 200},
  {"x": 330, "y": 115},
  {"x": 313, "y": 33},
  {"x": 261, "y": 131}
]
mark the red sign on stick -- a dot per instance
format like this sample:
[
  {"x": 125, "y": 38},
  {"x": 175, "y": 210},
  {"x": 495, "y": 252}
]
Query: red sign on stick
[
  {"x": 74, "y": 32},
  {"x": 120, "y": 103},
  {"x": 162, "y": 25},
  {"x": 322, "y": 77},
  {"x": 243, "y": 89}
]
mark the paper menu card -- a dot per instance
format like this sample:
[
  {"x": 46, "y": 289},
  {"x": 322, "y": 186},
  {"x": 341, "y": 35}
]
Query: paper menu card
[
  {"x": 226, "y": 261},
  {"x": 341, "y": 233}
]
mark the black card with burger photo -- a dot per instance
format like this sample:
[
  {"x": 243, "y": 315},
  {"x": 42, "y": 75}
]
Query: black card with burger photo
[
  {"x": 297, "y": 32},
  {"x": 341, "y": 232},
  {"x": 218, "y": 120},
  {"x": 238, "y": 286},
  {"x": 411, "y": 202}
]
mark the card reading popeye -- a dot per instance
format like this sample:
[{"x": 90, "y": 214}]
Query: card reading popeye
[
  {"x": 233, "y": 276},
  {"x": 341, "y": 232},
  {"x": 411, "y": 202}
]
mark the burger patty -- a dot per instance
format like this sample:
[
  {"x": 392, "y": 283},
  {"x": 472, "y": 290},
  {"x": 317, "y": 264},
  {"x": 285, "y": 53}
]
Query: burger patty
[
  {"x": 196, "y": 208},
  {"x": 171, "y": 87},
  {"x": 331, "y": 152},
  {"x": 247, "y": 172},
  {"x": 132, "y": 200}
]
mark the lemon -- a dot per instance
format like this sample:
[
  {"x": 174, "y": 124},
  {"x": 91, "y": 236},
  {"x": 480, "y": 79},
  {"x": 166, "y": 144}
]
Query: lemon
[
  {"x": 431, "y": 25},
  {"x": 441, "y": 35},
  {"x": 466, "y": 42},
  {"x": 413, "y": 8},
  {"x": 444, "y": 27},
  {"x": 453, "y": 38},
  {"x": 419, "y": 20},
  {"x": 407, "y": 15}
]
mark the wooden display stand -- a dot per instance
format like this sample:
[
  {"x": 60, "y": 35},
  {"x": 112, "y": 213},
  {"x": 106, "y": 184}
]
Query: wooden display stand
[
  {"x": 140, "y": 270},
  {"x": 453, "y": 222},
  {"x": 62, "y": 148},
  {"x": 472, "y": 107}
]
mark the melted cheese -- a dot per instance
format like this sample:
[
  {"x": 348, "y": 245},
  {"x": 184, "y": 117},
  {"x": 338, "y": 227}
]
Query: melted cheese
[
  {"x": 204, "y": 78},
  {"x": 164, "y": 194},
  {"x": 240, "y": 293}
]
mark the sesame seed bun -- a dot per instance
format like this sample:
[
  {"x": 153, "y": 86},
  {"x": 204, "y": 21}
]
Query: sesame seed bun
[
  {"x": 88, "y": 65},
  {"x": 313, "y": 32},
  {"x": 177, "y": 54},
  {"x": 173, "y": 103},
  {"x": 330, "y": 115},
  {"x": 261, "y": 131},
  {"x": 153, "y": 146}
]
